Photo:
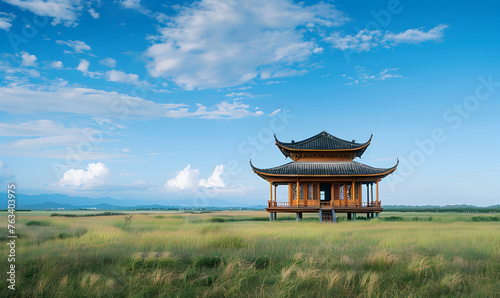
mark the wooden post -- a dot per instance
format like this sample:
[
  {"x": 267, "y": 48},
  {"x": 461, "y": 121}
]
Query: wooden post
[
  {"x": 275, "y": 186},
  {"x": 353, "y": 197},
  {"x": 271, "y": 190},
  {"x": 298, "y": 193},
  {"x": 372, "y": 190},
  {"x": 367, "y": 193},
  {"x": 377, "y": 192},
  {"x": 345, "y": 194},
  {"x": 306, "y": 193},
  {"x": 332, "y": 194}
]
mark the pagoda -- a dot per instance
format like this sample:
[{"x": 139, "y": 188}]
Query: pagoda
[{"x": 324, "y": 178}]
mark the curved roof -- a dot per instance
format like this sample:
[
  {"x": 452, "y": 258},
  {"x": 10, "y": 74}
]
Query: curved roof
[
  {"x": 323, "y": 142},
  {"x": 331, "y": 168}
]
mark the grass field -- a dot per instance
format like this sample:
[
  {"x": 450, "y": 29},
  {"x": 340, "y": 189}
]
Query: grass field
[{"x": 241, "y": 253}]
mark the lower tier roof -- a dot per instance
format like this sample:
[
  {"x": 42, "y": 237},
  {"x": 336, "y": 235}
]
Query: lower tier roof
[{"x": 327, "y": 168}]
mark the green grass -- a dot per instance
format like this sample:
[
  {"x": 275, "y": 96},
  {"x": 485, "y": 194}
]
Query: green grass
[{"x": 237, "y": 253}]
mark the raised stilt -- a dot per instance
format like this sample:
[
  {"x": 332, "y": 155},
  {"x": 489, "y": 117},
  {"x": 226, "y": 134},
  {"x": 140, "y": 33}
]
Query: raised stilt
[
  {"x": 333, "y": 216},
  {"x": 298, "y": 216},
  {"x": 271, "y": 216},
  {"x": 320, "y": 215}
]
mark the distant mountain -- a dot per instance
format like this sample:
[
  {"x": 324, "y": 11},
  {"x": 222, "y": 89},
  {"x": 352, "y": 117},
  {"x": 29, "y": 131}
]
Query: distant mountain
[{"x": 56, "y": 201}]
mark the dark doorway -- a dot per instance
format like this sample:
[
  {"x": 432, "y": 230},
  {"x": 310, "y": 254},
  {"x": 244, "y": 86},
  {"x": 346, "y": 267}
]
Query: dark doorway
[{"x": 325, "y": 191}]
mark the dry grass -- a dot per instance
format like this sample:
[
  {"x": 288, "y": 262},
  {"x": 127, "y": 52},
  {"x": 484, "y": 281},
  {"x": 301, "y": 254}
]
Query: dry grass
[{"x": 178, "y": 254}]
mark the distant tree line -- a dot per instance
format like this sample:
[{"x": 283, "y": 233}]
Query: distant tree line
[{"x": 447, "y": 208}]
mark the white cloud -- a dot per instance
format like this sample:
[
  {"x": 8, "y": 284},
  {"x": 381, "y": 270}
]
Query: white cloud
[
  {"x": 109, "y": 62},
  {"x": 59, "y": 10},
  {"x": 56, "y": 64},
  {"x": 131, "y": 3},
  {"x": 120, "y": 76},
  {"x": 77, "y": 45},
  {"x": 215, "y": 44},
  {"x": 28, "y": 60},
  {"x": 41, "y": 128},
  {"x": 93, "y": 13},
  {"x": 216, "y": 180},
  {"x": 365, "y": 77},
  {"x": 95, "y": 174},
  {"x": 49, "y": 139},
  {"x": 83, "y": 66},
  {"x": 366, "y": 40},
  {"x": 27, "y": 99},
  {"x": 184, "y": 180},
  {"x": 274, "y": 112},
  {"x": 6, "y": 20},
  {"x": 416, "y": 35}
]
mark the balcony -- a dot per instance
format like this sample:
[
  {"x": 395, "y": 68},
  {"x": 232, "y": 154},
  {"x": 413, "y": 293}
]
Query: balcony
[{"x": 323, "y": 205}]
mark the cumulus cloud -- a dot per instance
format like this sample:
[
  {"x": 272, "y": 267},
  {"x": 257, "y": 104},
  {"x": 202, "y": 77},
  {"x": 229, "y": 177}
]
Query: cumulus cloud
[
  {"x": 95, "y": 174},
  {"x": 77, "y": 45},
  {"x": 83, "y": 66},
  {"x": 97, "y": 103},
  {"x": 56, "y": 64},
  {"x": 184, "y": 180},
  {"x": 215, "y": 44},
  {"x": 6, "y": 20},
  {"x": 365, "y": 40},
  {"x": 187, "y": 180},
  {"x": 120, "y": 76},
  {"x": 60, "y": 10},
  {"x": 109, "y": 62},
  {"x": 216, "y": 180},
  {"x": 28, "y": 60}
]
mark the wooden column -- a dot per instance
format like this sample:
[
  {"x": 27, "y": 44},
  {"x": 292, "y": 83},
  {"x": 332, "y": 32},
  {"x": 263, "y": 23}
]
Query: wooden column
[
  {"x": 275, "y": 186},
  {"x": 298, "y": 193},
  {"x": 377, "y": 192},
  {"x": 345, "y": 194},
  {"x": 372, "y": 190},
  {"x": 271, "y": 191},
  {"x": 306, "y": 193},
  {"x": 290, "y": 194},
  {"x": 367, "y": 193},
  {"x": 353, "y": 197},
  {"x": 332, "y": 194}
]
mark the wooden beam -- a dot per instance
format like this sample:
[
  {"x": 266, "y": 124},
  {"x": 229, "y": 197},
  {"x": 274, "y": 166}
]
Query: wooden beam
[{"x": 377, "y": 191}]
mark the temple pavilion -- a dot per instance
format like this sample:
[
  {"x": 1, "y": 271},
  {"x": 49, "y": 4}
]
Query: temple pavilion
[{"x": 324, "y": 178}]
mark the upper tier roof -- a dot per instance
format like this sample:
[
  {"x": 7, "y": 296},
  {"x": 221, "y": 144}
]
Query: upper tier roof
[
  {"x": 331, "y": 168},
  {"x": 323, "y": 142}
]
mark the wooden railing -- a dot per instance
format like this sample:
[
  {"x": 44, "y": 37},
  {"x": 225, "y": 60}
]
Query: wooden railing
[{"x": 324, "y": 204}]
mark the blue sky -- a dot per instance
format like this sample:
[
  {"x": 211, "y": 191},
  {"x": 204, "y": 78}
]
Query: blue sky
[{"x": 167, "y": 102}]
